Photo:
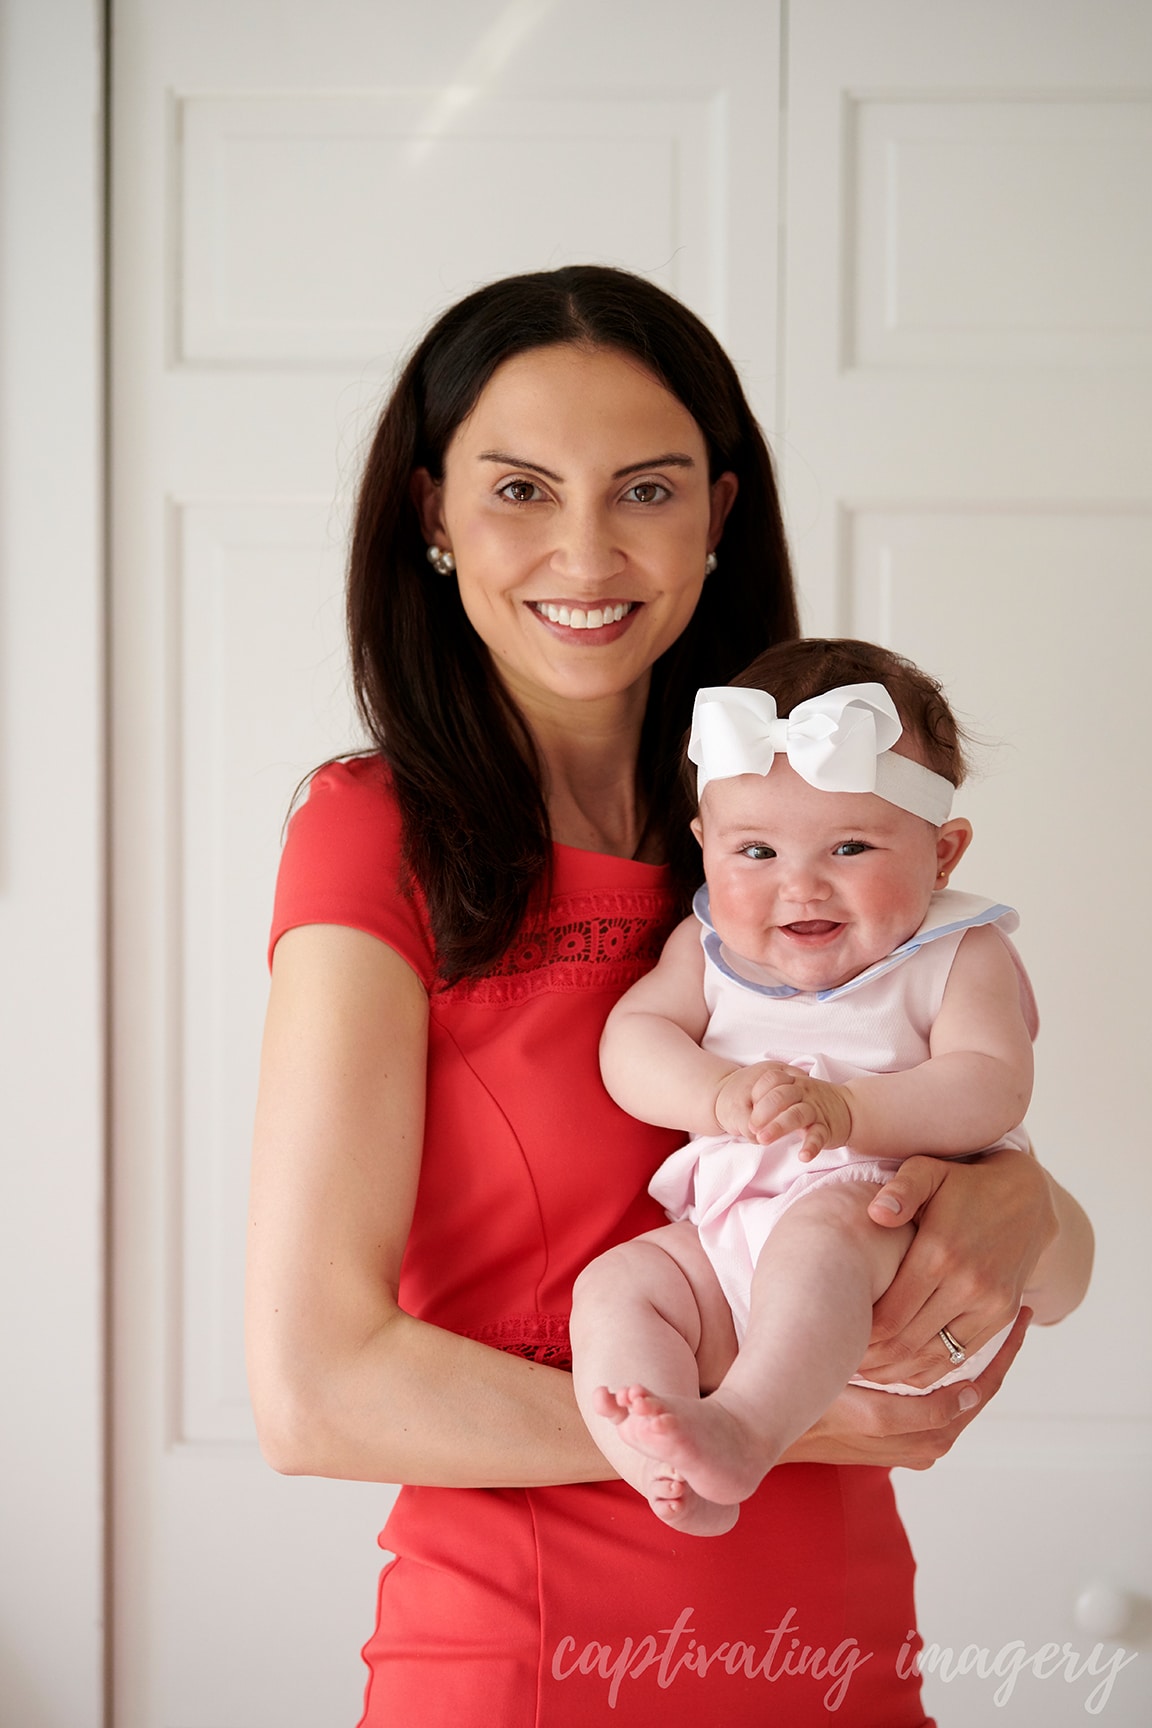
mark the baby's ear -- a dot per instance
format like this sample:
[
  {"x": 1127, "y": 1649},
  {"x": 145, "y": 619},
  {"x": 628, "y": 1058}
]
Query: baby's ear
[
  {"x": 952, "y": 841},
  {"x": 698, "y": 829}
]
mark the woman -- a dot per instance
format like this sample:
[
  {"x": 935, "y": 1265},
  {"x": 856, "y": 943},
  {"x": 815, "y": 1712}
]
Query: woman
[{"x": 567, "y": 524}]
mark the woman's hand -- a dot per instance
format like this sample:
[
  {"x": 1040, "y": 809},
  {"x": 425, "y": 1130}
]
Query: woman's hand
[
  {"x": 887, "y": 1429},
  {"x": 981, "y": 1229}
]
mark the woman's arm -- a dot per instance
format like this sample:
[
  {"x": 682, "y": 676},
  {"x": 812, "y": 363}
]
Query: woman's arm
[{"x": 343, "y": 1382}]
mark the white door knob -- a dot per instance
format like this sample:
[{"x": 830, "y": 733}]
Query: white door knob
[{"x": 1103, "y": 1610}]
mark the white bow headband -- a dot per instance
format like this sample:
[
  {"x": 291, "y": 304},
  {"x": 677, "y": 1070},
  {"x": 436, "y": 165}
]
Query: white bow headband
[{"x": 839, "y": 742}]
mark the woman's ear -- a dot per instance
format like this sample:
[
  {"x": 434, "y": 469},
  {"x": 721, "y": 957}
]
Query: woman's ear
[
  {"x": 724, "y": 490},
  {"x": 428, "y": 497},
  {"x": 952, "y": 841}
]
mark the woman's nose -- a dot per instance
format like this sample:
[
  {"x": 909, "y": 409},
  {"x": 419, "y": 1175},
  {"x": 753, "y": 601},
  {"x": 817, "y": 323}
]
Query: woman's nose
[{"x": 583, "y": 548}]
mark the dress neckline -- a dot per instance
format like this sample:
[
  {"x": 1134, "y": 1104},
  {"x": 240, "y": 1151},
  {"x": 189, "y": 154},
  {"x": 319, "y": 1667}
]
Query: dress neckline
[{"x": 576, "y": 864}]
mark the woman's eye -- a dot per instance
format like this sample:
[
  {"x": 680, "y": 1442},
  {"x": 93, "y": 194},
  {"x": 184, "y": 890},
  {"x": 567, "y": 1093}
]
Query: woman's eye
[
  {"x": 520, "y": 491},
  {"x": 647, "y": 492},
  {"x": 757, "y": 852},
  {"x": 851, "y": 848}
]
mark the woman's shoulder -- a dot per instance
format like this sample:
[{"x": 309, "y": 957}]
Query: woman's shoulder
[
  {"x": 343, "y": 862},
  {"x": 348, "y": 818},
  {"x": 354, "y": 794}
]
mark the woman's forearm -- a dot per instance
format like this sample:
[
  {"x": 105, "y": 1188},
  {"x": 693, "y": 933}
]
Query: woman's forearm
[{"x": 420, "y": 1405}]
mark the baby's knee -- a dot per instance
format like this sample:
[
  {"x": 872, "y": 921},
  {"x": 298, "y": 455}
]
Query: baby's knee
[
  {"x": 639, "y": 1273},
  {"x": 605, "y": 1279}
]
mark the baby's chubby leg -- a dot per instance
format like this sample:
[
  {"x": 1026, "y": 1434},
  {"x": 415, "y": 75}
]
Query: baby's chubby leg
[
  {"x": 817, "y": 1277},
  {"x": 651, "y": 1313}
]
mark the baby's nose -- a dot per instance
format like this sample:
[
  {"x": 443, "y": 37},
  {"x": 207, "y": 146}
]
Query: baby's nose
[{"x": 805, "y": 882}]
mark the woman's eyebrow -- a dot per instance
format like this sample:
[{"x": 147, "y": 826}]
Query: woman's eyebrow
[
  {"x": 507, "y": 461},
  {"x": 670, "y": 459}
]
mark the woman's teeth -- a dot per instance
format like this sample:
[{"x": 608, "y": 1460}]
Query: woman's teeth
[{"x": 577, "y": 619}]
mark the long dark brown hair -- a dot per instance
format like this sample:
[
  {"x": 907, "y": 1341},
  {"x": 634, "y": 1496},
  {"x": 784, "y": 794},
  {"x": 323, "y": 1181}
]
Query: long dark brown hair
[{"x": 463, "y": 763}]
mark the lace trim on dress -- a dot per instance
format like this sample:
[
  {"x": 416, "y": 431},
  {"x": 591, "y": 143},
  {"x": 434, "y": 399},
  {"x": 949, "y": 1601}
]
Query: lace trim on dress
[
  {"x": 535, "y": 1337},
  {"x": 586, "y": 942}
]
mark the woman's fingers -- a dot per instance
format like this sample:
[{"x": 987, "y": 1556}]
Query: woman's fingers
[
  {"x": 978, "y": 1233},
  {"x": 865, "y": 1427},
  {"x": 986, "y": 1384},
  {"x": 913, "y": 1185}
]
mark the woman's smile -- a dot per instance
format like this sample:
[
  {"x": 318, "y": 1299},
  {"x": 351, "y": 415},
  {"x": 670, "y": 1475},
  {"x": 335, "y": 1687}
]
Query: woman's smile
[{"x": 571, "y": 615}]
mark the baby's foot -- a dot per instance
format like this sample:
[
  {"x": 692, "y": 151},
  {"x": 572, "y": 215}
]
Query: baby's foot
[
  {"x": 678, "y": 1505},
  {"x": 719, "y": 1454}
]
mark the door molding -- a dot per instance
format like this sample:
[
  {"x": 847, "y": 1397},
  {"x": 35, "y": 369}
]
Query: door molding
[{"x": 52, "y": 872}]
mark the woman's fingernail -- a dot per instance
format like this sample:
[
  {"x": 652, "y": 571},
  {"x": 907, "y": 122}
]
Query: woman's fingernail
[
  {"x": 969, "y": 1398},
  {"x": 888, "y": 1201}
]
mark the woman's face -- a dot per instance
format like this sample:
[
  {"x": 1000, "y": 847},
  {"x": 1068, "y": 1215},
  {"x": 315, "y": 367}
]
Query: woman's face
[{"x": 577, "y": 504}]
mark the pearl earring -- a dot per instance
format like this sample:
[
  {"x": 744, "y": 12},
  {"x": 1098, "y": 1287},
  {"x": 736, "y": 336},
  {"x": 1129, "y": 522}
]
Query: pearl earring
[
  {"x": 710, "y": 563},
  {"x": 442, "y": 562}
]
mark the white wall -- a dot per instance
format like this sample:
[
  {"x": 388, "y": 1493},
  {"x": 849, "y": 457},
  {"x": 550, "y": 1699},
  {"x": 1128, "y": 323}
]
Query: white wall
[{"x": 51, "y": 868}]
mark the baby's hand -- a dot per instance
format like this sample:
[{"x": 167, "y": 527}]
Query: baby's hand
[{"x": 768, "y": 1100}]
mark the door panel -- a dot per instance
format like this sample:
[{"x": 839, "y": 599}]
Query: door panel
[
  {"x": 967, "y": 414},
  {"x": 297, "y": 191}
]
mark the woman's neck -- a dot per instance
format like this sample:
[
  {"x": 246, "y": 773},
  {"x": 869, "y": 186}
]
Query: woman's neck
[{"x": 590, "y": 756}]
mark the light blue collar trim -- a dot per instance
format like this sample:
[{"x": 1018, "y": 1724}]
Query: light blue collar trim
[{"x": 948, "y": 911}]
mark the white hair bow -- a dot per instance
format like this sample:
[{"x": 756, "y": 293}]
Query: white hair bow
[{"x": 838, "y": 742}]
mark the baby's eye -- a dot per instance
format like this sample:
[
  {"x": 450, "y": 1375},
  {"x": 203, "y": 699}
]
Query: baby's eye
[
  {"x": 519, "y": 491},
  {"x": 850, "y": 848},
  {"x": 647, "y": 492},
  {"x": 757, "y": 851}
]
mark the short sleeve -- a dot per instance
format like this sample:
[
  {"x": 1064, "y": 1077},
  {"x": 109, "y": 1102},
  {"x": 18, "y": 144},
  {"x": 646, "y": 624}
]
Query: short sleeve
[{"x": 342, "y": 864}]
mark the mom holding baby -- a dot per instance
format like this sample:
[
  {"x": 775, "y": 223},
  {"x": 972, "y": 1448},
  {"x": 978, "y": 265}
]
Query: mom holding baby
[{"x": 567, "y": 527}]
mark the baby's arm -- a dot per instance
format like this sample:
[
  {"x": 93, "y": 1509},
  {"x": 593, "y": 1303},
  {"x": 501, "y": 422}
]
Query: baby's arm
[
  {"x": 650, "y": 1055},
  {"x": 974, "y": 1087}
]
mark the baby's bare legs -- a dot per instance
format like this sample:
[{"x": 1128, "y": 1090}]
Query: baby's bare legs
[
  {"x": 821, "y": 1270},
  {"x": 651, "y": 1307}
]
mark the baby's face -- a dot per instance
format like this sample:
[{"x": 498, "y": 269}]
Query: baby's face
[{"x": 813, "y": 887}]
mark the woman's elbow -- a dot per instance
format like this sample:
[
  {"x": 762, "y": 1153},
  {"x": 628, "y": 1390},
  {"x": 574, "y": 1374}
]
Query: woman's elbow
[
  {"x": 1064, "y": 1273},
  {"x": 317, "y": 1400},
  {"x": 289, "y": 1424}
]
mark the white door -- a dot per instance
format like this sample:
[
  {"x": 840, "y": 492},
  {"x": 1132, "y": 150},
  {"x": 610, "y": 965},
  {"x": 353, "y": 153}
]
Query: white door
[
  {"x": 297, "y": 190},
  {"x": 967, "y": 382}
]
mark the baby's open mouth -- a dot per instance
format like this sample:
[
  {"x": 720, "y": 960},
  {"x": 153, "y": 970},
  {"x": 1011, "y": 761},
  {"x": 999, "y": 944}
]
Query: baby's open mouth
[{"x": 812, "y": 927}]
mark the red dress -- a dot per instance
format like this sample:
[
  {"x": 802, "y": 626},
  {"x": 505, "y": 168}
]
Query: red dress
[{"x": 550, "y": 1607}]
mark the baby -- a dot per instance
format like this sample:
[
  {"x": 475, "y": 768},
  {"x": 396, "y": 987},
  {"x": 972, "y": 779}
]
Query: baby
[{"x": 830, "y": 1009}]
